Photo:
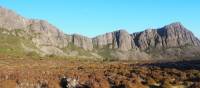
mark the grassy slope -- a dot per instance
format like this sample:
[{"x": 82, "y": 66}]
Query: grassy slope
[
  {"x": 12, "y": 45},
  {"x": 72, "y": 47}
]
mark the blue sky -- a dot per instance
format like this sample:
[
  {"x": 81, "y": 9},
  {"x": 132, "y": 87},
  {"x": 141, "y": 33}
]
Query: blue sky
[{"x": 94, "y": 17}]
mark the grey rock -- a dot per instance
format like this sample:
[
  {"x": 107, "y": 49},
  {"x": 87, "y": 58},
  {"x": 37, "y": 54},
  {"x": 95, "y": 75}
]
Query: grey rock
[
  {"x": 45, "y": 34},
  {"x": 172, "y": 35},
  {"x": 11, "y": 20},
  {"x": 42, "y": 34},
  {"x": 50, "y": 40},
  {"x": 147, "y": 39},
  {"x": 176, "y": 34},
  {"x": 103, "y": 40},
  {"x": 120, "y": 39},
  {"x": 82, "y": 42}
]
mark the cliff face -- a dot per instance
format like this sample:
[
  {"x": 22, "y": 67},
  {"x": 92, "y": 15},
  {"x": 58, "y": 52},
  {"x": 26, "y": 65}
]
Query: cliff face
[
  {"x": 82, "y": 42},
  {"x": 44, "y": 34},
  {"x": 172, "y": 35},
  {"x": 146, "y": 39},
  {"x": 50, "y": 40},
  {"x": 11, "y": 20},
  {"x": 115, "y": 40},
  {"x": 175, "y": 34}
]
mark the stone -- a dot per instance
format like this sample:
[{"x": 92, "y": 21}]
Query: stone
[
  {"x": 120, "y": 39},
  {"x": 10, "y": 20},
  {"x": 82, "y": 42},
  {"x": 50, "y": 40}
]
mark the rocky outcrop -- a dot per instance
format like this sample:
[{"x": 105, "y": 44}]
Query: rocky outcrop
[
  {"x": 176, "y": 34},
  {"x": 82, "y": 42},
  {"x": 146, "y": 39},
  {"x": 172, "y": 35},
  {"x": 102, "y": 41},
  {"x": 50, "y": 40},
  {"x": 46, "y": 37},
  {"x": 45, "y": 34},
  {"x": 11, "y": 20},
  {"x": 122, "y": 40},
  {"x": 115, "y": 40}
]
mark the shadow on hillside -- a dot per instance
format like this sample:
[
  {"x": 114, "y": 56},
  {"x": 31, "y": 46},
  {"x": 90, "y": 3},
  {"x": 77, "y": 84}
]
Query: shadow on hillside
[{"x": 181, "y": 65}]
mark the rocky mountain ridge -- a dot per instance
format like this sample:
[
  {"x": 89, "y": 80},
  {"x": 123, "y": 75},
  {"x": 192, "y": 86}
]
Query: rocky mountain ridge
[{"x": 49, "y": 40}]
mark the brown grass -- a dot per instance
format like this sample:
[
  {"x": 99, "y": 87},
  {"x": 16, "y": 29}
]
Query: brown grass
[{"x": 47, "y": 73}]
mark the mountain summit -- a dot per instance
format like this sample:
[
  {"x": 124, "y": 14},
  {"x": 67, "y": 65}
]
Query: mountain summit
[
  {"x": 43, "y": 38},
  {"x": 172, "y": 35}
]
